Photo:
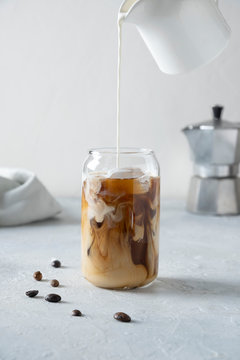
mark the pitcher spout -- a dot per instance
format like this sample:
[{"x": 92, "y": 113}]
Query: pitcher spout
[{"x": 130, "y": 10}]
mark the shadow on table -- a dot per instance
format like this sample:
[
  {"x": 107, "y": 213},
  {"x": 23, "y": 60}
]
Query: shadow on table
[
  {"x": 67, "y": 217},
  {"x": 191, "y": 286},
  {"x": 70, "y": 215},
  {"x": 57, "y": 221}
]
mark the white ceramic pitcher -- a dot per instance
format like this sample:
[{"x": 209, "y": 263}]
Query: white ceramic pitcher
[{"x": 180, "y": 34}]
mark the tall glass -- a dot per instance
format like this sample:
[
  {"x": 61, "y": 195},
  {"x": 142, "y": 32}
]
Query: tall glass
[{"x": 120, "y": 217}]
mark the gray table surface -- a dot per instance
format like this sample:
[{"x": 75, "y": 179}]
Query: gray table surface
[{"x": 192, "y": 311}]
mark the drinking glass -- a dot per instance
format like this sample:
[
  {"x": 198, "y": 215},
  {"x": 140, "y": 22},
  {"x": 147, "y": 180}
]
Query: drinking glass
[{"x": 120, "y": 217}]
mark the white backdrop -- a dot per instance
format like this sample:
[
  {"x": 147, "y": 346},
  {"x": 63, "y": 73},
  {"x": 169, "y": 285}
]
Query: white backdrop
[{"x": 58, "y": 61}]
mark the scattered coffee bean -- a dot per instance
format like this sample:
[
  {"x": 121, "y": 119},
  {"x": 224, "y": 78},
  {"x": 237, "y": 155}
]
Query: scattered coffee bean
[
  {"x": 54, "y": 283},
  {"x": 31, "y": 293},
  {"x": 37, "y": 276},
  {"x": 76, "y": 313},
  {"x": 56, "y": 263},
  {"x": 53, "y": 298},
  {"x": 120, "y": 316}
]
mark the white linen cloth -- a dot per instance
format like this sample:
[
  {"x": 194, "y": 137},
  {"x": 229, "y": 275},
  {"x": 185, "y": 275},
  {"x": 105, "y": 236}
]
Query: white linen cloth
[{"x": 23, "y": 198}]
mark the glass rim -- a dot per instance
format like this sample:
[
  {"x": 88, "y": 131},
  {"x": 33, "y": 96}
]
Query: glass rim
[{"x": 122, "y": 151}]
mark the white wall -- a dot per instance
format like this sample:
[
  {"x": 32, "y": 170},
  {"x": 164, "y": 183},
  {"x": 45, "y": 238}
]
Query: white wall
[{"x": 58, "y": 64}]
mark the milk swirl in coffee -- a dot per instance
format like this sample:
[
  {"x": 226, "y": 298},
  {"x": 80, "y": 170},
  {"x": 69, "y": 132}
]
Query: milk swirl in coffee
[
  {"x": 120, "y": 229},
  {"x": 120, "y": 216}
]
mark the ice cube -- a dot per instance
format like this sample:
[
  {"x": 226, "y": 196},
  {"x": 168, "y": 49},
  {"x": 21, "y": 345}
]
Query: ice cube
[{"x": 125, "y": 173}]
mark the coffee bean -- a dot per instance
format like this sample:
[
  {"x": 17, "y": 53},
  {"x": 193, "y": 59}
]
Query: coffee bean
[
  {"x": 53, "y": 298},
  {"x": 56, "y": 263},
  {"x": 54, "y": 283},
  {"x": 31, "y": 293},
  {"x": 120, "y": 316},
  {"x": 37, "y": 276},
  {"x": 76, "y": 313}
]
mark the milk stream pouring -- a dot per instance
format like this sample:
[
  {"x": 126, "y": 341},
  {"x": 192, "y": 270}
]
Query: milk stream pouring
[
  {"x": 121, "y": 17},
  {"x": 180, "y": 34}
]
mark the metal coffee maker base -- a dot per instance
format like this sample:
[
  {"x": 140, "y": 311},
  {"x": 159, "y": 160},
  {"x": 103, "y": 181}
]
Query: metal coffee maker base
[{"x": 214, "y": 196}]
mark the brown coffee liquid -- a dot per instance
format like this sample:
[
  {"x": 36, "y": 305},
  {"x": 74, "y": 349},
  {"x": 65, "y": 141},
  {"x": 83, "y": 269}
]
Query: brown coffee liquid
[{"x": 120, "y": 231}]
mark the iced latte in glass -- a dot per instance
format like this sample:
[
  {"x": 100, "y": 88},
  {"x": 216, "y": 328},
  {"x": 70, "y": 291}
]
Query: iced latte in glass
[{"x": 120, "y": 218}]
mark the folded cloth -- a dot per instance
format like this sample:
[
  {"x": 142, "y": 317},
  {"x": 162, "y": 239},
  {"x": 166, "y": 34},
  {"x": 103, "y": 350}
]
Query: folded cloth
[{"x": 23, "y": 198}]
